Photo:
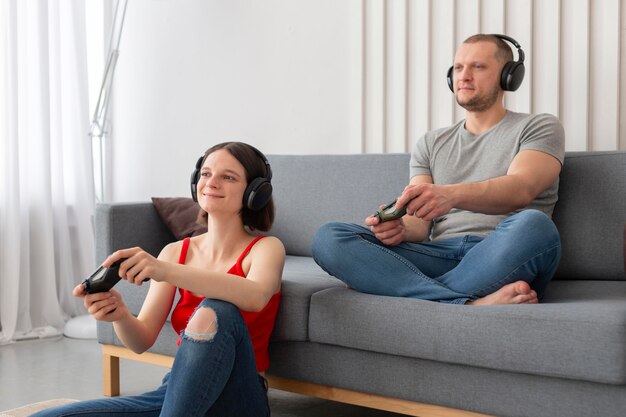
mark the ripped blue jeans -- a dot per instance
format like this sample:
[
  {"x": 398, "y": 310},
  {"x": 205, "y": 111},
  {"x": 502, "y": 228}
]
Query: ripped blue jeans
[
  {"x": 525, "y": 246},
  {"x": 214, "y": 374}
]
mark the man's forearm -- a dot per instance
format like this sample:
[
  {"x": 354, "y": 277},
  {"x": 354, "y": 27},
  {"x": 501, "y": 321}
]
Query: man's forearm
[
  {"x": 530, "y": 173},
  {"x": 499, "y": 195}
]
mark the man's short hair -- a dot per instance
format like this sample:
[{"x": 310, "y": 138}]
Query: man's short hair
[{"x": 503, "y": 53}]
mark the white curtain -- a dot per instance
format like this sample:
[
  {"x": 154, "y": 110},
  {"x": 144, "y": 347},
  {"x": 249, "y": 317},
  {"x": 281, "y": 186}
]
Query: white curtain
[{"x": 46, "y": 180}]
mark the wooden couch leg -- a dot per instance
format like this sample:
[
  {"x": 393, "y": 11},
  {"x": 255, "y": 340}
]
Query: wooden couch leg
[
  {"x": 111, "y": 356},
  {"x": 111, "y": 374}
]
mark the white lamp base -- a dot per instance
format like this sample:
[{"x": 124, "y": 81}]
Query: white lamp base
[{"x": 81, "y": 327}]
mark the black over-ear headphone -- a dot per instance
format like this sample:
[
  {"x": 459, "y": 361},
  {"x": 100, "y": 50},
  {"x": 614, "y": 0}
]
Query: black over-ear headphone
[
  {"x": 512, "y": 72},
  {"x": 257, "y": 193}
]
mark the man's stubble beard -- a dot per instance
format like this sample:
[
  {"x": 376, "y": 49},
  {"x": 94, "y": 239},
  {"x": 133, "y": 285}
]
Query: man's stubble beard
[{"x": 481, "y": 103}]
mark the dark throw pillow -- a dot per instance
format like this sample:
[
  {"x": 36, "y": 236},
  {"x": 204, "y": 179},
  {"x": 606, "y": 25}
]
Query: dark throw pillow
[{"x": 179, "y": 215}]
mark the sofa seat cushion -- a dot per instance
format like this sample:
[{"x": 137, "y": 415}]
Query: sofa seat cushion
[
  {"x": 577, "y": 332},
  {"x": 302, "y": 278}
]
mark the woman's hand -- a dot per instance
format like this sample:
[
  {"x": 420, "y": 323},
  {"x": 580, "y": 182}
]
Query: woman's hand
[
  {"x": 103, "y": 306},
  {"x": 138, "y": 265}
]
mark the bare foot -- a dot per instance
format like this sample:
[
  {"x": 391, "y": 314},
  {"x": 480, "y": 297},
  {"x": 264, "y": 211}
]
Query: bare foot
[{"x": 515, "y": 293}]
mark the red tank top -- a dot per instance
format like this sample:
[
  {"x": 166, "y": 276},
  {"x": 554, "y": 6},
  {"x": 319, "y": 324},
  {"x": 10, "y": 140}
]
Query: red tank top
[{"x": 260, "y": 324}]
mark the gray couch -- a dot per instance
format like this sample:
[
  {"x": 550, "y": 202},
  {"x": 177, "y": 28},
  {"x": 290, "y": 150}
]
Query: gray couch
[{"x": 563, "y": 357}]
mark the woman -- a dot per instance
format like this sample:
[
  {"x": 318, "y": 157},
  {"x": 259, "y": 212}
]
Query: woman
[{"x": 224, "y": 321}]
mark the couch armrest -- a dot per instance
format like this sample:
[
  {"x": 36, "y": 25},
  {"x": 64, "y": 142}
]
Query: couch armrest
[{"x": 125, "y": 225}]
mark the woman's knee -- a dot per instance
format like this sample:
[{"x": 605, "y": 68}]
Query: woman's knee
[{"x": 204, "y": 323}]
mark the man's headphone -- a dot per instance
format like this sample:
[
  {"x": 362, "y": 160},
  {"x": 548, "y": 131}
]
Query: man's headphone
[
  {"x": 512, "y": 73},
  {"x": 258, "y": 192}
]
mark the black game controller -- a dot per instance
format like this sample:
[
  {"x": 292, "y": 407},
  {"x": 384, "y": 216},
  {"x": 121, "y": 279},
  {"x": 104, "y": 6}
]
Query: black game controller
[
  {"x": 390, "y": 212},
  {"x": 103, "y": 279}
]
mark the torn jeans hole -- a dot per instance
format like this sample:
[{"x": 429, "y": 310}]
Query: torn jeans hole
[{"x": 202, "y": 326}]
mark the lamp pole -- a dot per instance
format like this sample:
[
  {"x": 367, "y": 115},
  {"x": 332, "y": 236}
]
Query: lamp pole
[{"x": 100, "y": 128}]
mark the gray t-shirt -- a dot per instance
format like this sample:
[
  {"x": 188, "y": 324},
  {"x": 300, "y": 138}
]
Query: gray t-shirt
[{"x": 453, "y": 155}]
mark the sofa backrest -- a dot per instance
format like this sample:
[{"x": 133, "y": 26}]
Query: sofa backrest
[
  {"x": 310, "y": 190},
  {"x": 590, "y": 215}
]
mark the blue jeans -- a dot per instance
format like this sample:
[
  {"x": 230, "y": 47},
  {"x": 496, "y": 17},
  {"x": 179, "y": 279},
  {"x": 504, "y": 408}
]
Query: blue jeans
[
  {"x": 524, "y": 246},
  {"x": 208, "y": 378}
]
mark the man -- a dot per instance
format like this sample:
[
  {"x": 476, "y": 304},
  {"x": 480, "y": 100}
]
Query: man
[{"x": 477, "y": 228}]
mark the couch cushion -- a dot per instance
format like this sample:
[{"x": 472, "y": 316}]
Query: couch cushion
[
  {"x": 591, "y": 214},
  {"x": 578, "y": 332},
  {"x": 310, "y": 190},
  {"x": 301, "y": 279}
]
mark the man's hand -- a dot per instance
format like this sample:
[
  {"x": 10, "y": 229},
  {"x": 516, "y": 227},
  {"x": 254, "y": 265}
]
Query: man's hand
[
  {"x": 390, "y": 233},
  {"x": 426, "y": 201}
]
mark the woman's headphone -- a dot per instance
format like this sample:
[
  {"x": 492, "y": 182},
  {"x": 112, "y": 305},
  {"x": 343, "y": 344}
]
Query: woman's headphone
[
  {"x": 512, "y": 72},
  {"x": 258, "y": 192}
]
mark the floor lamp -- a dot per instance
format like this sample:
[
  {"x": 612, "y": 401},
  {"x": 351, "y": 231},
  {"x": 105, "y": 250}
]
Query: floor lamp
[{"x": 84, "y": 327}]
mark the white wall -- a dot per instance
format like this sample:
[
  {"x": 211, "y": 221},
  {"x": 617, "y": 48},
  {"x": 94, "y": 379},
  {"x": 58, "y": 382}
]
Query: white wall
[{"x": 349, "y": 76}]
